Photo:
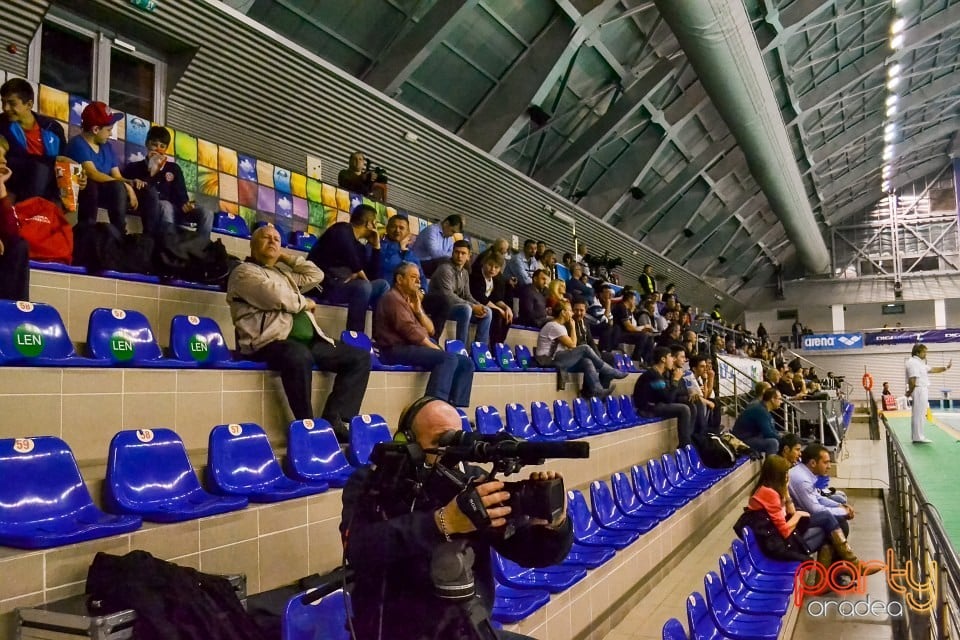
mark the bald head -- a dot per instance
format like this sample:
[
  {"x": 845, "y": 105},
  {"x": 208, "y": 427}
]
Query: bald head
[
  {"x": 432, "y": 421},
  {"x": 265, "y": 245}
]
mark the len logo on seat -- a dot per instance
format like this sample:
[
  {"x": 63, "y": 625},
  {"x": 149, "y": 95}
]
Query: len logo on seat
[
  {"x": 121, "y": 347},
  {"x": 28, "y": 340},
  {"x": 199, "y": 349}
]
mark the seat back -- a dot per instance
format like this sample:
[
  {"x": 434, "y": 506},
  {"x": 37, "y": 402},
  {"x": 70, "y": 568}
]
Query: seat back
[
  {"x": 357, "y": 339},
  {"x": 456, "y": 347},
  {"x": 240, "y": 458},
  {"x": 542, "y": 420},
  {"x": 673, "y": 630},
  {"x": 505, "y": 357},
  {"x": 488, "y": 420},
  {"x": 670, "y": 468},
  {"x": 563, "y": 416},
  {"x": 599, "y": 410},
  {"x": 41, "y": 480},
  {"x": 583, "y": 523},
  {"x": 657, "y": 477},
  {"x": 518, "y": 422},
  {"x": 366, "y": 430},
  {"x": 581, "y": 413},
  {"x": 683, "y": 463},
  {"x": 482, "y": 358},
  {"x": 641, "y": 483},
  {"x": 731, "y": 578},
  {"x": 717, "y": 597},
  {"x": 614, "y": 411},
  {"x": 699, "y": 620},
  {"x": 232, "y": 224},
  {"x": 464, "y": 421},
  {"x": 313, "y": 449},
  {"x": 524, "y": 357},
  {"x": 199, "y": 339},
  {"x": 302, "y": 241},
  {"x": 623, "y": 494},
  {"x": 694, "y": 456},
  {"x": 31, "y": 330},
  {"x": 604, "y": 509},
  {"x": 121, "y": 336},
  {"x": 326, "y": 618},
  {"x": 147, "y": 467},
  {"x": 628, "y": 410}
]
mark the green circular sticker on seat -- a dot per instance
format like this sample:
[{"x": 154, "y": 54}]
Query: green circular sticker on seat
[
  {"x": 28, "y": 340},
  {"x": 121, "y": 347},
  {"x": 199, "y": 350},
  {"x": 482, "y": 360}
]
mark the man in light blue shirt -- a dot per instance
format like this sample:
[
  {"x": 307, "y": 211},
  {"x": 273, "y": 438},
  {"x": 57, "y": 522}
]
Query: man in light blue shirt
[
  {"x": 435, "y": 243},
  {"x": 523, "y": 264},
  {"x": 815, "y": 461}
]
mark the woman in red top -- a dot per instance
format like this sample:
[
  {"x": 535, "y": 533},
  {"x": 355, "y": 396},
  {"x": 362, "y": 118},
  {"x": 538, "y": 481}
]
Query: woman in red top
[{"x": 14, "y": 252}]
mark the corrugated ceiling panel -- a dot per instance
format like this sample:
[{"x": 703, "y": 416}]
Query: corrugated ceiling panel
[{"x": 20, "y": 20}]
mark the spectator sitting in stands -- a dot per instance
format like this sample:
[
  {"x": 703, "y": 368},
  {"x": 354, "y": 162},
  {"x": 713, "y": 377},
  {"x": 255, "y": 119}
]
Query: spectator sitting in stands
[
  {"x": 523, "y": 264},
  {"x": 106, "y": 186},
  {"x": 275, "y": 324},
  {"x": 755, "y": 424},
  {"x": 489, "y": 288},
  {"x": 648, "y": 316},
  {"x": 627, "y": 331},
  {"x": 701, "y": 405},
  {"x": 176, "y": 207},
  {"x": 533, "y": 302},
  {"x": 656, "y": 394},
  {"x": 500, "y": 246},
  {"x": 690, "y": 342},
  {"x": 556, "y": 293},
  {"x": 579, "y": 313},
  {"x": 647, "y": 282},
  {"x": 434, "y": 245},
  {"x": 670, "y": 294},
  {"x": 14, "y": 252},
  {"x": 578, "y": 286},
  {"x": 568, "y": 261},
  {"x": 34, "y": 144},
  {"x": 352, "y": 270},
  {"x": 670, "y": 336},
  {"x": 583, "y": 258},
  {"x": 541, "y": 249},
  {"x": 402, "y": 331},
  {"x": 602, "y": 327},
  {"x": 450, "y": 298},
  {"x": 790, "y": 448},
  {"x": 557, "y": 347},
  {"x": 395, "y": 248},
  {"x": 355, "y": 178},
  {"x": 548, "y": 261}
]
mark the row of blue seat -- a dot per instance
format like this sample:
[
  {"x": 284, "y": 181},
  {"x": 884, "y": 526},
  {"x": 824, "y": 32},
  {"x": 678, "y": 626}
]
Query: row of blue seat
[{"x": 746, "y": 599}]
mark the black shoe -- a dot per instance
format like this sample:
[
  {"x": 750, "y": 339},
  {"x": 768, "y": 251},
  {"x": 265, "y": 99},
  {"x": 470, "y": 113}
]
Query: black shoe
[
  {"x": 342, "y": 431},
  {"x": 562, "y": 377}
]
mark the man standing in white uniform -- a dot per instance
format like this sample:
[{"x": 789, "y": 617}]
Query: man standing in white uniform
[{"x": 917, "y": 389}]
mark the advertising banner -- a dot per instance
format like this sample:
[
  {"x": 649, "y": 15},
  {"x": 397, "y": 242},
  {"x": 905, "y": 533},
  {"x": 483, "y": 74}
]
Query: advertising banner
[
  {"x": 932, "y": 336},
  {"x": 738, "y": 374},
  {"x": 824, "y": 341}
]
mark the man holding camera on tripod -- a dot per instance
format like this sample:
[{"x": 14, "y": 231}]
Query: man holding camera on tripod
[{"x": 402, "y": 532}]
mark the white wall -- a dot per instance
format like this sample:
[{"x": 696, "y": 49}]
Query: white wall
[{"x": 857, "y": 317}]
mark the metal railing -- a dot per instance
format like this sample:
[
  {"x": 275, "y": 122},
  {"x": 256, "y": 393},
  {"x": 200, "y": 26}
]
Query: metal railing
[{"x": 920, "y": 541}]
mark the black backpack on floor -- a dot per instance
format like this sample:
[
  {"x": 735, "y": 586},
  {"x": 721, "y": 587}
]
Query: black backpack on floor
[
  {"x": 714, "y": 452},
  {"x": 99, "y": 246}
]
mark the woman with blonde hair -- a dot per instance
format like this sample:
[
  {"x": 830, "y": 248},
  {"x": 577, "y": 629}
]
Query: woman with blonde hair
[{"x": 556, "y": 291}]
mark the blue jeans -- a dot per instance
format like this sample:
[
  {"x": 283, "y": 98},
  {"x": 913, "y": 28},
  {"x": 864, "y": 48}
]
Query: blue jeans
[
  {"x": 462, "y": 314},
  {"x": 822, "y": 523},
  {"x": 597, "y": 374},
  {"x": 358, "y": 295},
  {"x": 170, "y": 218},
  {"x": 451, "y": 375}
]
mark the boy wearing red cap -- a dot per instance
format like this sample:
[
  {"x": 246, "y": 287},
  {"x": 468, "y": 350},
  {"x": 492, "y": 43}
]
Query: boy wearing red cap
[{"x": 106, "y": 186}]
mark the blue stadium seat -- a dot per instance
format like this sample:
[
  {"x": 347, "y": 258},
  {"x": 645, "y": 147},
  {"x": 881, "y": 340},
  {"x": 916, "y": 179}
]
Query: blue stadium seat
[
  {"x": 455, "y": 346},
  {"x": 361, "y": 340},
  {"x": 662, "y": 486},
  {"x": 587, "y": 532},
  {"x": 605, "y": 512},
  {"x": 519, "y": 425},
  {"x": 697, "y": 463},
  {"x": 149, "y": 475},
  {"x": 589, "y": 557},
  {"x": 543, "y": 422},
  {"x": 44, "y": 501},
  {"x": 513, "y": 605},
  {"x": 734, "y": 623},
  {"x": 199, "y": 339},
  {"x": 627, "y": 501},
  {"x": 581, "y": 413},
  {"x": 563, "y": 273},
  {"x": 326, "y": 618},
  {"x": 124, "y": 338},
  {"x": 464, "y": 421},
  {"x": 686, "y": 467},
  {"x": 33, "y": 334},
  {"x": 702, "y": 624},
  {"x": 630, "y": 412},
  {"x": 525, "y": 359},
  {"x": 230, "y": 225},
  {"x": 615, "y": 413},
  {"x": 621, "y": 361},
  {"x": 646, "y": 494},
  {"x": 366, "y": 430},
  {"x": 505, "y": 357},
  {"x": 598, "y": 409},
  {"x": 563, "y": 416},
  {"x": 762, "y": 562},
  {"x": 746, "y": 599},
  {"x": 488, "y": 420},
  {"x": 241, "y": 462},
  {"x": 483, "y": 360},
  {"x": 301, "y": 241},
  {"x": 555, "y": 578},
  {"x": 752, "y": 577},
  {"x": 314, "y": 454},
  {"x": 673, "y": 630},
  {"x": 669, "y": 463}
]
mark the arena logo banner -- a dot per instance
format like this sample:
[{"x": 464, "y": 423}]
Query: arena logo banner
[
  {"x": 933, "y": 336},
  {"x": 824, "y": 341},
  {"x": 738, "y": 374}
]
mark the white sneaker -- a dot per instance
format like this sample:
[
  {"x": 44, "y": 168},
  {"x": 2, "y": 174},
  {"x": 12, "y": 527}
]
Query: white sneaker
[{"x": 923, "y": 441}]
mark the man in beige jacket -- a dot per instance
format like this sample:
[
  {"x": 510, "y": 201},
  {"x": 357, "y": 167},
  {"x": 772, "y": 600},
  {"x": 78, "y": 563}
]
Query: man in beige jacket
[{"x": 275, "y": 324}]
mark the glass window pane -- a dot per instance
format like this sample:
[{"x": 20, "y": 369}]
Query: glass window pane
[
  {"x": 131, "y": 84},
  {"x": 66, "y": 60}
]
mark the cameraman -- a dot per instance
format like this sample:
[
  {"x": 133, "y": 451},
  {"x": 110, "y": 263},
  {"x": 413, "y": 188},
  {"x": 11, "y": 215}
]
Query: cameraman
[{"x": 390, "y": 543}]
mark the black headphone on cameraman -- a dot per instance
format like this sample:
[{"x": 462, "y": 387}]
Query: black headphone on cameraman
[{"x": 405, "y": 425}]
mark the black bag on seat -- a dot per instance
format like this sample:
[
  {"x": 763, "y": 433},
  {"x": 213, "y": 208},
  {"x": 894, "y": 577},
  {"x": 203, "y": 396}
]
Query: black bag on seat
[
  {"x": 772, "y": 544},
  {"x": 185, "y": 255},
  {"x": 714, "y": 452}
]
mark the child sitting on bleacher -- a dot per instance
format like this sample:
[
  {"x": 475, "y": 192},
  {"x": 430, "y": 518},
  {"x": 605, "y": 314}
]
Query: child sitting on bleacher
[
  {"x": 176, "y": 207},
  {"x": 14, "y": 253}
]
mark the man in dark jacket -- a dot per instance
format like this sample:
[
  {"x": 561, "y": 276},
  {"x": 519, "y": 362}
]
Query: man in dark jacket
[
  {"x": 35, "y": 141},
  {"x": 533, "y": 303},
  {"x": 14, "y": 252},
  {"x": 449, "y": 298},
  {"x": 657, "y": 394},
  {"x": 390, "y": 540},
  {"x": 352, "y": 270}
]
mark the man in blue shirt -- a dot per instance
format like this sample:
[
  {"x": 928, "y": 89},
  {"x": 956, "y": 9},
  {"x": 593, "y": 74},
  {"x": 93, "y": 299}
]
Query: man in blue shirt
[
  {"x": 395, "y": 249},
  {"x": 755, "y": 424},
  {"x": 434, "y": 245},
  {"x": 106, "y": 186},
  {"x": 523, "y": 264}
]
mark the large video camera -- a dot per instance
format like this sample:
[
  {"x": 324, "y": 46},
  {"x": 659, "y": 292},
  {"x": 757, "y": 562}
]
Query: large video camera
[{"x": 371, "y": 169}]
